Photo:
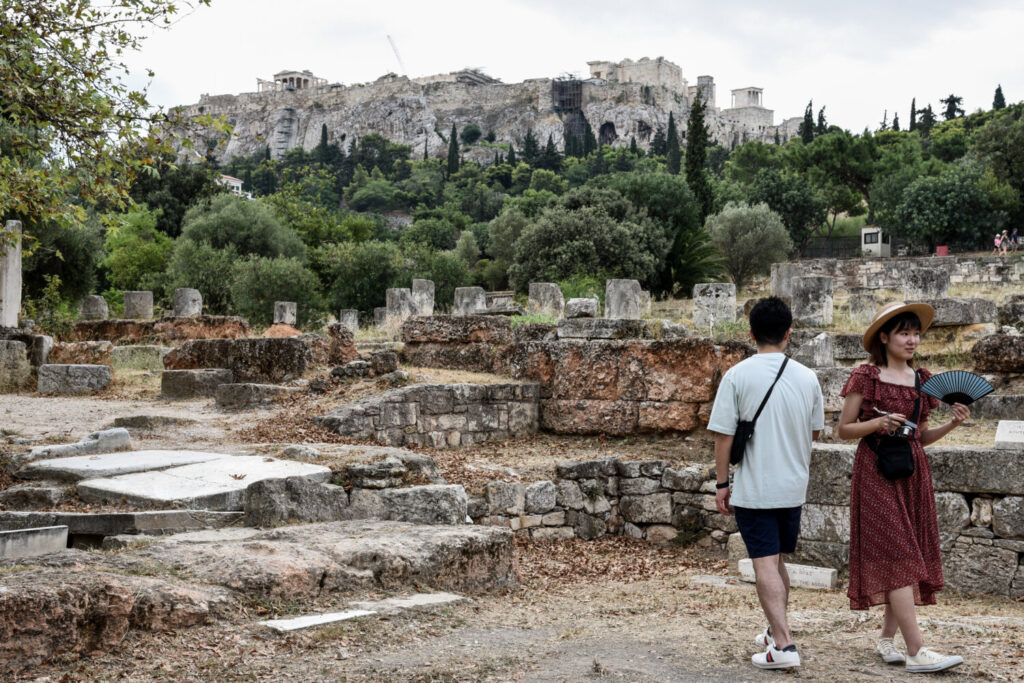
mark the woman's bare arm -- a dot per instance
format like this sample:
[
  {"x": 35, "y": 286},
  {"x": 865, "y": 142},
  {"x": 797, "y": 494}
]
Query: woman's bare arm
[{"x": 849, "y": 426}]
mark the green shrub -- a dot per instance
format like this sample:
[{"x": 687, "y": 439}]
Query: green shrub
[
  {"x": 249, "y": 227},
  {"x": 256, "y": 283},
  {"x": 137, "y": 253},
  {"x": 359, "y": 274},
  {"x": 470, "y": 133},
  {"x": 750, "y": 239},
  {"x": 202, "y": 267}
]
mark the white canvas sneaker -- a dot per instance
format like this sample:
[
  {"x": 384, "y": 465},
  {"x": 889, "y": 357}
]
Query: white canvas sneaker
[
  {"x": 764, "y": 638},
  {"x": 887, "y": 649},
  {"x": 773, "y": 658},
  {"x": 928, "y": 661}
]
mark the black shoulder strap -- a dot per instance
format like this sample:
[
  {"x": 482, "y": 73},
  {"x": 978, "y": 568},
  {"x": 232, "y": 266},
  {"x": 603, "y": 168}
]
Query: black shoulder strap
[
  {"x": 785, "y": 359},
  {"x": 917, "y": 404}
]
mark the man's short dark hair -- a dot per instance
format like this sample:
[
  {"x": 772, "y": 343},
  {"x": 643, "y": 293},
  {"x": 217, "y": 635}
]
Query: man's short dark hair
[{"x": 769, "y": 319}]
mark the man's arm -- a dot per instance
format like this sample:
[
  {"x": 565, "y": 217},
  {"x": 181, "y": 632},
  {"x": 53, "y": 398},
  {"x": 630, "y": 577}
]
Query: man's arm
[{"x": 723, "y": 445}]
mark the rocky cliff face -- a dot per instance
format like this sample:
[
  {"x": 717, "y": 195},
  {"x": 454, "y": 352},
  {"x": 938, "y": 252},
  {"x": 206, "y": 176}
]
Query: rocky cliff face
[{"x": 414, "y": 114}]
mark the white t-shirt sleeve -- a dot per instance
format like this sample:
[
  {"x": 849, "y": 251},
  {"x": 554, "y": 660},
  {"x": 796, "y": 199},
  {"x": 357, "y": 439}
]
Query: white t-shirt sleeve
[
  {"x": 818, "y": 411},
  {"x": 725, "y": 411}
]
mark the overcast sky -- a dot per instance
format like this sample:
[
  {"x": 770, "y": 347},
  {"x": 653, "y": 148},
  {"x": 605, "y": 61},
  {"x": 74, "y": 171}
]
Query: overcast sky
[{"x": 857, "y": 59}]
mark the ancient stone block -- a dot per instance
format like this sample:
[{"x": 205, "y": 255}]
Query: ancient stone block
[
  {"x": 921, "y": 283},
  {"x": 569, "y": 495},
  {"x": 999, "y": 353},
  {"x": 847, "y": 347},
  {"x": 830, "y": 472},
  {"x": 861, "y": 306},
  {"x": 32, "y": 496},
  {"x": 241, "y": 396},
  {"x": 94, "y": 307},
  {"x": 623, "y": 300},
  {"x": 639, "y": 486},
  {"x": 400, "y": 304},
  {"x": 186, "y": 384},
  {"x": 545, "y": 299},
  {"x": 15, "y": 370},
  {"x": 812, "y": 301},
  {"x": 651, "y": 509},
  {"x": 430, "y": 504},
  {"x": 380, "y": 315},
  {"x": 582, "y": 308},
  {"x": 816, "y": 352},
  {"x": 1008, "y": 517},
  {"x": 714, "y": 303},
  {"x": 73, "y": 379},
  {"x": 689, "y": 478},
  {"x": 187, "y": 302},
  {"x": 599, "y": 328},
  {"x": 423, "y": 297},
  {"x": 540, "y": 497},
  {"x": 83, "y": 353},
  {"x": 142, "y": 357},
  {"x": 667, "y": 416},
  {"x": 829, "y": 523},
  {"x": 974, "y": 568},
  {"x": 589, "y": 417},
  {"x": 953, "y": 516},
  {"x": 553, "y": 533},
  {"x": 963, "y": 311},
  {"x": 586, "y": 526},
  {"x": 285, "y": 312},
  {"x": 342, "y": 347},
  {"x": 823, "y": 554},
  {"x": 451, "y": 329},
  {"x": 349, "y": 317},
  {"x": 970, "y": 469},
  {"x": 138, "y": 305},
  {"x": 832, "y": 381},
  {"x": 469, "y": 301},
  {"x": 251, "y": 360},
  {"x": 981, "y": 512},
  {"x": 505, "y": 498},
  {"x": 271, "y": 502}
]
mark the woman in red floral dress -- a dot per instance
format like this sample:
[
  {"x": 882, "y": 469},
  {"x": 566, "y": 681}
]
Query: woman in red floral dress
[{"x": 894, "y": 536}]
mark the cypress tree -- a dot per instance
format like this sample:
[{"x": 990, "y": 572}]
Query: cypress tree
[
  {"x": 530, "y": 149},
  {"x": 806, "y": 130},
  {"x": 673, "y": 153},
  {"x": 822, "y": 127},
  {"x": 633, "y": 149},
  {"x": 912, "y": 126},
  {"x": 424, "y": 149},
  {"x": 884, "y": 125},
  {"x": 953, "y": 108},
  {"x": 589, "y": 141},
  {"x": 453, "y": 152},
  {"x": 896, "y": 121},
  {"x": 927, "y": 120},
  {"x": 496, "y": 161},
  {"x": 550, "y": 158},
  {"x": 511, "y": 158},
  {"x": 696, "y": 155},
  {"x": 658, "y": 143},
  {"x": 999, "y": 102}
]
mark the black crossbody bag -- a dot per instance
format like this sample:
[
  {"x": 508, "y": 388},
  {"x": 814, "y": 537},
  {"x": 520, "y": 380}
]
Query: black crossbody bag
[
  {"x": 745, "y": 429},
  {"x": 895, "y": 455}
]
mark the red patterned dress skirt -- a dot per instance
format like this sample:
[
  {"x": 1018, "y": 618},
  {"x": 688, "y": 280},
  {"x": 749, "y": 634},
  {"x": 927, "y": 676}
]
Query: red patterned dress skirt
[{"x": 894, "y": 533}]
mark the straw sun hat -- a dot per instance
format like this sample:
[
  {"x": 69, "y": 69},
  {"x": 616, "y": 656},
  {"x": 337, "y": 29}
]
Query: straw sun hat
[{"x": 925, "y": 312}]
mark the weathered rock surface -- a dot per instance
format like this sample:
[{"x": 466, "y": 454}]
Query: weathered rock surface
[
  {"x": 138, "y": 305},
  {"x": 82, "y": 353},
  {"x": 999, "y": 353},
  {"x": 294, "y": 499},
  {"x": 15, "y": 370},
  {"x": 103, "y": 441},
  {"x": 599, "y": 328},
  {"x": 714, "y": 303},
  {"x": 545, "y": 299},
  {"x": 812, "y": 301},
  {"x": 32, "y": 496},
  {"x": 169, "y": 329},
  {"x": 186, "y": 384},
  {"x": 469, "y": 301},
  {"x": 342, "y": 344},
  {"x": 973, "y": 568},
  {"x": 463, "y": 329},
  {"x": 73, "y": 379},
  {"x": 623, "y": 300},
  {"x": 582, "y": 307},
  {"x": 972, "y": 470},
  {"x": 187, "y": 302},
  {"x": 963, "y": 311},
  {"x": 250, "y": 360},
  {"x": 1008, "y": 517},
  {"x": 241, "y": 396},
  {"x": 142, "y": 357},
  {"x": 94, "y": 307}
]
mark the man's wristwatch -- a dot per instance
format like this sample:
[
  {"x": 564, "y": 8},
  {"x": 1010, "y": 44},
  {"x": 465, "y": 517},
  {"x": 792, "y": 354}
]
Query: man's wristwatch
[{"x": 722, "y": 485}]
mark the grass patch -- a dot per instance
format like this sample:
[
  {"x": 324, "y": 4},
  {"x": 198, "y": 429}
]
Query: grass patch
[{"x": 531, "y": 318}]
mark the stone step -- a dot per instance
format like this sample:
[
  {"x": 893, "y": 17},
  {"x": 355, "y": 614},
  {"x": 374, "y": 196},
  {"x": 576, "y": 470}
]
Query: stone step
[
  {"x": 214, "y": 485},
  {"x": 32, "y": 542},
  {"x": 800, "y": 575},
  {"x": 102, "y": 524},
  {"x": 111, "y": 464}
]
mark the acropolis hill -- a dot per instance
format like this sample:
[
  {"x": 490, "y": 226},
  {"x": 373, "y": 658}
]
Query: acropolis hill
[{"x": 620, "y": 101}]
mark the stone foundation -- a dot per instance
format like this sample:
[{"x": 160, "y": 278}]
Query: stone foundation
[
  {"x": 250, "y": 360},
  {"x": 161, "y": 331}
]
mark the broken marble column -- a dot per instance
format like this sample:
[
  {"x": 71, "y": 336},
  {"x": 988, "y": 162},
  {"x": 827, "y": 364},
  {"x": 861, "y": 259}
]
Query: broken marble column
[
  {"x": 349, "y": 317},
  {"x": 285, "y": 312},
  {"x": 582, "y": 307},
  {"x": 380, "y": 315},
  {"x": 714, "y": 303},
  {"x": 469, "y": 301},
  {"x": 546, "y": 299},
  {"x": 94, "y": 307},
  {"x": 400, "y": 304},
  {"x": 10, "y": 274},
  {"x": 623, "y": 300},
  {"x": 423, "y": 297},
  {"x": 188, "y": 303},
  {"x": 138, "y": 305},
  {"x": 812, "y": 300},
  {"x": 923, "y": 282}
]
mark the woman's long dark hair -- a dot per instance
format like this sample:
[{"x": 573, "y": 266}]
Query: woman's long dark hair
[{"x": 897, "y": 323}]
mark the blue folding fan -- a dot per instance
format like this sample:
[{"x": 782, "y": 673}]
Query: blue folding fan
[{"x": 957, "y": 386}]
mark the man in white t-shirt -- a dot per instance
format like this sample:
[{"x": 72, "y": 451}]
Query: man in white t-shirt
[{"x": 770, "y": 483}]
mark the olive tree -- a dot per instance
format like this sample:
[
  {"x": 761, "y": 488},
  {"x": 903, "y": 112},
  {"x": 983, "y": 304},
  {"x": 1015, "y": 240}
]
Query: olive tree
[{"x": 750, "y": 239}]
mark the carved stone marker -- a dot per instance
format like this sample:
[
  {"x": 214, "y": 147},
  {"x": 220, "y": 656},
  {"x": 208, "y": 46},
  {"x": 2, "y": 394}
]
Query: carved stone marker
[
  {"x": 10, "y": 274},
  {"x": 469, "y": 301},
  {"x": 422, "y": 297},
  {"x": 285, "y": 312},
  {"x": 400, "y": 304},
  {"x": 812, "y": 300},
  {"x": 1010, "y": 435},
  {"x": 349, "y": 317},
  {"x": 380, "y": 315},
  {"x": 94, "y": 307},
  {"x": 714, "y": 303},
  {"x": 800, "y": 575},
  {"x": 138, "y": 305},
  {"x": 623, "y": 300},
  {"x": 546, "y": 299},
  {"x": 188, "y": 303}
]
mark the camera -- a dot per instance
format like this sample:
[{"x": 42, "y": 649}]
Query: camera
[{"x": 904, "y": 431}]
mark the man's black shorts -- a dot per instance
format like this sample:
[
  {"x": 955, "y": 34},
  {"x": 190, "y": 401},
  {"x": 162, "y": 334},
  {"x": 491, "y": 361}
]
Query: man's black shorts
[{"x": 768, "y": 532}]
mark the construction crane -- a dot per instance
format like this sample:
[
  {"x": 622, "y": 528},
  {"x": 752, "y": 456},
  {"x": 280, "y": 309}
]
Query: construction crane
[{"x": 397, "y": 56}]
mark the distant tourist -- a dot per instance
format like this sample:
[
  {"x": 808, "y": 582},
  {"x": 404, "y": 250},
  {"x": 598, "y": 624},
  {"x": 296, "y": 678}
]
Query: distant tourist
[
  {"x": 894, "y": 534},
  {"x": 784, "y": 400},
  {"x": 995, "y": 248},
  {"x": 1004, "y": 242},
  {"x": 1014, "y": 240}
]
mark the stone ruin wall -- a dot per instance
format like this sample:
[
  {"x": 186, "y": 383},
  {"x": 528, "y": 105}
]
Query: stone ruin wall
[{"x": 409, "y": 113}]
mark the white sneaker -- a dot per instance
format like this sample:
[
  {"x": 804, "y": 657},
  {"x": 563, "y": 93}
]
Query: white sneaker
[
  {"x": 773, "y": 658},
  {"x": 929, "y": 661},
  {"x": 764, "y": 638},
  {"x": 887, "y": 649}
]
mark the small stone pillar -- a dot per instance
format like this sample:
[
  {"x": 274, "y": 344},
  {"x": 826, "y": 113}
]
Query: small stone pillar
[
  {"x": 188, "y": 303},
  {"x": 812, "y": 300},
  {"x": 923, "y": 282},
  {"x": 94, "y": 307},
  {"x": 400, "y": 304},
  {"x": 623, "y": 300},
  {"x": 10, "y": 274},
  {"x": 714, "y": 303},
  {"x": 582, "y": 308},
  {"x": 285, "y": 312},
  {"x": 380, "y": 315},
  {"x": 349, "y": 317},
  {"x": 469, "y": 301},
  {"x": 546, "y": 299},
  {"x": 138, "y": 305},
  {"x": 423, "y": 297}
]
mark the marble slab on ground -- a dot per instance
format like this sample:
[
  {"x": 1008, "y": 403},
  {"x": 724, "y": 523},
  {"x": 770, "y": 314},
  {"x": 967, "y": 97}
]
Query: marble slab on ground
[
  {"x": 285, "y": 625},
  {"x": 32, "y": 542},
  {"x": 800, "y": 575},
  {"x": 102, "y": 465},
  {"x": 1010, "y": 435},
  {"x": 214, "y": 485},
  {"x": 362, "y": 609}
]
